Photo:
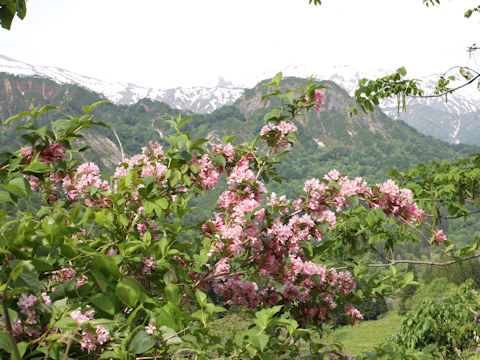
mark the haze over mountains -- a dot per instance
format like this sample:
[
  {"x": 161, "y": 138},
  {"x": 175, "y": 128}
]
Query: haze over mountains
[{"x": 455, "y": 121}]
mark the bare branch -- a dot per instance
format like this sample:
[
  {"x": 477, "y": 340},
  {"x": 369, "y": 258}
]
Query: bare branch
[
  {"x": 421, "y": 262},
  {"x": 120, "y": 144},
  {"x": 476, "y": 313},
  {"x": 416, "y": 262},
  {"x": 456, "y": 216}
]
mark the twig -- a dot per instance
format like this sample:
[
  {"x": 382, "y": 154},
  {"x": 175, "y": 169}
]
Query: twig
[
  {"x": 119, "y": 144},
  {"x": 446, "y": 92},
  {"x": 476, "y": 313},
  {"x": 418, "y": 262}
]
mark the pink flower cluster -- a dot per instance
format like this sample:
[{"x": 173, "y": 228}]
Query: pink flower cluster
[
  {"x": 275, "y": 135},
  {"x": 276, "y": 250},
  {"x": 150, "y": 161},
  {"x": 48, "y": 154},
  {"x": 148, "y": 265},
  {"x": 395, "y": 201},
  {"x": 276, "y": 247},
  {"x": 319, "y": 100},
  {"x": 354, "y": 313},
  {"x": 225, "y": 151},
  {"x": 207, "y": 176},
  {"x": 91, "y": 337},
  {"x": 439, "y": 236},
  {"x": 86, "y": 175},
  {"x": 31, "y": 306},
  {"x": 66, "y": 273}
]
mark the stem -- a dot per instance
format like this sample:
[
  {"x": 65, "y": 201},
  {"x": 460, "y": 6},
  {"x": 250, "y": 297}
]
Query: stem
[
  {"x": 13, "y": 342},
  {"x": 446, "y": 92},
  {"x": 417, "y": 262},
  {"x": 120, "y": 144}
]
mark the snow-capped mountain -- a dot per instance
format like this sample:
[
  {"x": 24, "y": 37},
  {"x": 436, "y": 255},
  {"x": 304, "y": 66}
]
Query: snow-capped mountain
[
  {"x": 432, "y": 116},
  {"x": 196, "y": 99}
]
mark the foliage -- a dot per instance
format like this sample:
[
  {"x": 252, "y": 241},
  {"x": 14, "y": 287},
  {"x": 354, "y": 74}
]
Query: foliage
[
  {"x": 10, "y": 8},
  {"x": 448, "y": 324},
  {"x": 105, "y": 266}
]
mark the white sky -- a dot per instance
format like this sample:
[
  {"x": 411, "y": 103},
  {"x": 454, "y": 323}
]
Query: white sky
[{"x": 170, "y": 43}]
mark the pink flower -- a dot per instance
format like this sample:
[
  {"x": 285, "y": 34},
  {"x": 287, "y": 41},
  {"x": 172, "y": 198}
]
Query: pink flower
[
  {"x": 46, "y": 298},
  {"x": 439, "y": 236},
  {"x": 148, "y": 265},
  {"x": 88, "y": 341},
  {"x": 275, "y": 135},
  {"x": 80, "y": 318},
  {"x": 319, "y": 98},
  {"x": 354, "y": 313},
  {"x": 150, "y": 329},
  {"x": 27, "y": 301},
  {"x": 102, "y": 334}
]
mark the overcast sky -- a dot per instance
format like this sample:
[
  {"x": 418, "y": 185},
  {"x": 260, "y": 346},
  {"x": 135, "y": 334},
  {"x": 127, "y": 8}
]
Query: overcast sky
[{"x": 170, "y": 43}]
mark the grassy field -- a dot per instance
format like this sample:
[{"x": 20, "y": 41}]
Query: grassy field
[{"x": 366, "y": 335}]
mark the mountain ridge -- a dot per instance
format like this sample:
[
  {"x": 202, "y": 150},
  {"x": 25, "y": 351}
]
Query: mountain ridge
[{"x": 451, "y": 121}]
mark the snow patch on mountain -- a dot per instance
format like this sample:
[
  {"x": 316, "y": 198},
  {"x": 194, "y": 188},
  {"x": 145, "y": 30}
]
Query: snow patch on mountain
[
  {"x": 197, "y": 99},
  {"x": 208, "y": 99}
]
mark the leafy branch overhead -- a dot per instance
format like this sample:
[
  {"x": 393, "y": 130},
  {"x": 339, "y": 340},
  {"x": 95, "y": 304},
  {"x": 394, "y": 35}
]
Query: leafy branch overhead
[
  {"x": 370, "y": 92},
  {"x": 10, "y": 8}
]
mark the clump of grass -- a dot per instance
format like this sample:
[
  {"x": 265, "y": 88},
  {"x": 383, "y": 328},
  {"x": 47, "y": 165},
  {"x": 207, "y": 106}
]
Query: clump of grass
[{"x": 366, "y": 335}]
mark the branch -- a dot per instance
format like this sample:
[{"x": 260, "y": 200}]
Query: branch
[
  {"x": 415, "y": 262},
  {"x": 455, "y": 216},
  {"x": 446, "y": 92},
  {"x": 420, "y": 262},
  {"x": 476, "y": 313},
  {"x": 120, "y": 144}
]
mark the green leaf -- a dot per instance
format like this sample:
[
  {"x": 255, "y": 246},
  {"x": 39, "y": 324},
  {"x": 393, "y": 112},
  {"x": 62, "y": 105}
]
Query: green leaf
[
  {"x": 201, "y": 298},
  {"x": 90, "y": 108},
  {"x": 45, "y": 108},
  {"x": 42, "y": 265},
  {"x": 219, "y": 160},
  {"x": 177, "y": 141},
  {"x": 183, "y": 121},
  {"x": 110, "y": 355},
  {"x": 19, "y": 186},
  {"x": 105, "y": 265},
  {"x": 148, "y": 206},
  {"x": 172, "y": 294},
  {"x": 272, "y": 114},
  {"x": 465, "y": 73},
  {"x": 5, "y": 343},
  {"x": 28, "y": 278},
  {"x": 260, "y": 341},
  {"x": 171, "y": 335},
  {"x": 142, "y": 342},
  {"x": 170, "y": 315},
  {"x": 128, "y": 291},
  {"x": 162, "y": 202},
  {"x": 15, "y": 117},
  {"x": 402, "y": 71},
  {"x": 103, "y": 303},
  {"x": 5, "y": 197},
  {"x": 100, "y": 280}
]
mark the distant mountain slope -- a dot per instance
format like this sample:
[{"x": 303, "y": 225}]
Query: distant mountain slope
[
  {"x": 134, "y": 124},
  {"x": 430, "y": 116},
  {"x": 365, "y": 145},
  {"x": 197, "y": 99}
]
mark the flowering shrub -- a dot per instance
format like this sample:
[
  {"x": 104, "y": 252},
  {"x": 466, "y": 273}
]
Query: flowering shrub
[{"x": 103, "y": 270}]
